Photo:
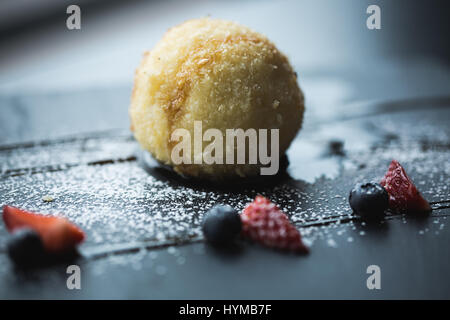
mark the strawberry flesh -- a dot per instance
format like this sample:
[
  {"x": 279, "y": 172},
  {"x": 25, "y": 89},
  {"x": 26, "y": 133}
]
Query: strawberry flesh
[
  {"x": 57, "y": 233},
  {"x": 265, "y": 223},
  {"x": 403, "y": 194}
]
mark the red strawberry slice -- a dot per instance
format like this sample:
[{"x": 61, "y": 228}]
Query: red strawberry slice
[
  {"x": 264, "y": 222},
  {"x": 58, "y": 234},
  {"x": 403, "y": 194}
]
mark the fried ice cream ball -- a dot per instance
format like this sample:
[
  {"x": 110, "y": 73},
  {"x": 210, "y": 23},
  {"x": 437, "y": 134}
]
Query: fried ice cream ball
[{"x": 222, "y": 74}]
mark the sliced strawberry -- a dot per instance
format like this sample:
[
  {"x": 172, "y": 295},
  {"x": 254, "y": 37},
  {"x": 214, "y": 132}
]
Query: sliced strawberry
[
  {"x": 264, "y": 222},
  {"x": 403, "y": 194},
  {"x": 58, "y": 234}
]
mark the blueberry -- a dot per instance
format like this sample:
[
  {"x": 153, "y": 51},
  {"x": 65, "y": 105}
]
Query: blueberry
[
  {"x": 369, "y": 200},
  {"x": 221, "y": 224},
  {"x": 25, "y": 247}
]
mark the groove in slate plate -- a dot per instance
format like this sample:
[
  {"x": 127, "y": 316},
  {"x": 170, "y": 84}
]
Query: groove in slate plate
[{"x": 121, "y": 202}]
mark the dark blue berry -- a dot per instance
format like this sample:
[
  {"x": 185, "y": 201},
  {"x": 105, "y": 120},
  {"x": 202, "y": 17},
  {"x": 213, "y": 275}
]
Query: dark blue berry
[
  {"x": 369, "y": 200},
  {"x": 25, "y": 247},
  {"x": 221, "y": 224}
]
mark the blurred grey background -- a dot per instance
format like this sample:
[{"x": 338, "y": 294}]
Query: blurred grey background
[{"x": 38, "y": 53}]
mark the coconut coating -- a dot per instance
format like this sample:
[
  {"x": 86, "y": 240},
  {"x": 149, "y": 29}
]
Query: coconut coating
[{"x": 221, "y": 73}]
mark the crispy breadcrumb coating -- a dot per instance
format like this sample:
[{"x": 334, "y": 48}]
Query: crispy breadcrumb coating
[{"x": 221, "y": 73}]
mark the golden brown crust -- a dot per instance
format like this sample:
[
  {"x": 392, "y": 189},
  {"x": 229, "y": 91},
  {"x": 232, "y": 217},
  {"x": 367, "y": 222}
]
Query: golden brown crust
[{"x": 219, "y": 72}]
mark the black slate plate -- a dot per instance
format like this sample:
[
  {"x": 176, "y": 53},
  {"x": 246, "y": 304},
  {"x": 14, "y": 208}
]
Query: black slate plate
[{"x": 143, "y": 224}]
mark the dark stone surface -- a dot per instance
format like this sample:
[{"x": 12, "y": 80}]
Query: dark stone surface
[
  {"x": 143, "y": 224},
  {"x": 412, "y": 267}
]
